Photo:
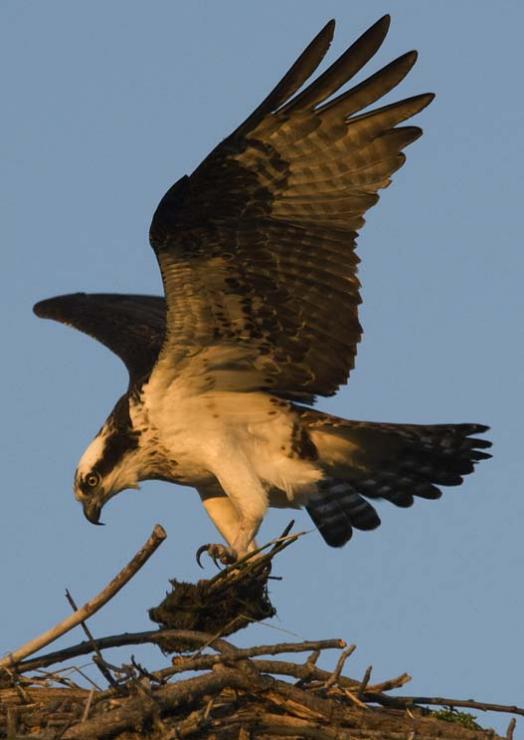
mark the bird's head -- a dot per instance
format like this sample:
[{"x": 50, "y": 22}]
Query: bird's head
[{"x": 109, "y": 465}]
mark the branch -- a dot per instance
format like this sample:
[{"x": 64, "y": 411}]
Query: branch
[
  {"x": 181, "y": 664},
  {"x": 98, "y": 659},
  {"x": 156, "y": 538},
  {"x": 511, "y": 729},
  {"x": 332, "y": 680},
  {"x": 156, "y": 636},
  {"x": 412, "y": 701}
]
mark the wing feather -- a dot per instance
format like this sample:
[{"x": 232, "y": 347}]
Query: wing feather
[
  {"x": 256, "y": 247},
  {"x": 293, "y": 80},
  {"x": 132, "y": 326},
  {"x": 343, "y": 69}
]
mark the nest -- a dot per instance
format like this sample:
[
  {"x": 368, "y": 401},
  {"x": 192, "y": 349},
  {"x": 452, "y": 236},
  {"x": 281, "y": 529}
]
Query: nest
[
  {"x": 214, "y": 690},
  {"x": 236, "y": 694},
  {"x": 222, "y": 605}
]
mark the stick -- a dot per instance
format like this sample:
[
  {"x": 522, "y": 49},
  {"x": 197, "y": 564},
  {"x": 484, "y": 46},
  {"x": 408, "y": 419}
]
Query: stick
[
  {"x": 392, "y": 683},
  {"x": 340, "y": 665},
  {"x": 100, "y": 663},
  {"x": 254, "y": 559},
  {"x": 90, "y": 607},
  {"x": 197, "y": 662},
  {"x": 88, "y": 705},
  {"x": 155, "y": 636},
  {"x": 406, "y": 702},
  {"x": 364, "y": 682},
  {"x": 125, "y": 639}
]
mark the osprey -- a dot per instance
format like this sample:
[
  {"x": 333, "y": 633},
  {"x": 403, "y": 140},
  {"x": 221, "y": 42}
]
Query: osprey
[{"x": 257, "y": 254}]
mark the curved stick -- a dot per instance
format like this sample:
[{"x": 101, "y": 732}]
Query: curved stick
[{"x": 90, "y": 607}]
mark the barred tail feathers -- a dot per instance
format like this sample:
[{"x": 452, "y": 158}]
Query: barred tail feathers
[
  {"x": 396, "y": 462},
  {"x": 336, "y": 508}
]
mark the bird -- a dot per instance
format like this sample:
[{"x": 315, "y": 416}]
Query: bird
[{"x": 259, "y": 318}]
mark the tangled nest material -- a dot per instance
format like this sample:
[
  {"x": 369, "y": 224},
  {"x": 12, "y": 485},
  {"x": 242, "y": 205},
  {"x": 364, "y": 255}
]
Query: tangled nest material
[
  {"x": 233, "y": 599},
  {"x": 236, "y": 694},
  {"x": 215, "y": 690}
]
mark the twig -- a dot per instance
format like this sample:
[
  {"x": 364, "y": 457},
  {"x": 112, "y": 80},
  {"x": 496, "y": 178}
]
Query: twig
[
  {"x": 85, "y": 677},
  {"x": 284, "y": 534},
  {"x": 303, "y": 671},
  {"x": 353, "y": 698},
  {"x": 312, "y": 660},
  {"x": 315, "y": 704},
  {"x": 59, "y": 679},
  {"x": 413, "y": 701},
  {"x": 12, "y": 722},
  {"x": 364, "y": 682},
  {"x": 156, "y": 538},
  {"x": 198, "y": 662},
  {"x": 254, "y": 559},
  {"x": 276, "y": 628},
  {"x": 218, "y": 635},
  {"x": 340, "y": 665},
  {"x": 143, "y": 672},
  {"x": 208, "y": 709},
  {"x": 88, "y": 705},
  {"x": 511, "y": 729},
  {"x": 100, "y": 663},
  {"x": 392, "y": 683},
  {"x": 291, "y": 647}
]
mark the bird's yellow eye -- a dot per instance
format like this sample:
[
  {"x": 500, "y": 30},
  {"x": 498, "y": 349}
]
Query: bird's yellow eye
[{"x": 92, "y": 480}]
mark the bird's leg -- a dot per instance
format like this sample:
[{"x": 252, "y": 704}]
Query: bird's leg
[
  {"x": 226, "y": 519},
  {"x": 223, "y": 515},
  {"x": 237, "y": 524}
]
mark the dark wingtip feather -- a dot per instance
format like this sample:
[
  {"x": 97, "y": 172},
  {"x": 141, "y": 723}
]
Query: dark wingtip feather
[
  {"x": 383, "y": 22},
  {"x": 481, "y": 443},
  {"x": 428, "y": 98},
  {"x": 379, "y": 29},
  {"x": 479, "y": 428},
  {"x": 422, "y": 101},
  {"x": 476, "y": 455},
  {"x": 342, "y": 69},
  {"x": 294, "y": 78},
  {"x": 323, "y": 38},
  {"x": 329, "y": 28},
  {"x": 47, "y": 309},
  {"x": 39, "y": 309}
]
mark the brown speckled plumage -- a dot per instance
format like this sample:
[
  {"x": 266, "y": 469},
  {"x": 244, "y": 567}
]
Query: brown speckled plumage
[{"x": 257, "y": 254}]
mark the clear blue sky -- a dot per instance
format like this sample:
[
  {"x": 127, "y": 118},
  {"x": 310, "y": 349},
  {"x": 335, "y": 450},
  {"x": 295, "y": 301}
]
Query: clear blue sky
[{"x": 104, "y": 105}]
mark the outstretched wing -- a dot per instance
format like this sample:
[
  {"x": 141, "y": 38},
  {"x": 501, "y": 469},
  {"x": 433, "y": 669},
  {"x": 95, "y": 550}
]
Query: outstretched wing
[
  {"x": 256, "y": 247},
  {"x": 132, "y": 326}
]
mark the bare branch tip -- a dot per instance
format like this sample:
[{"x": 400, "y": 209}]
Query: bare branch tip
[{"x": 159, "y": 532}]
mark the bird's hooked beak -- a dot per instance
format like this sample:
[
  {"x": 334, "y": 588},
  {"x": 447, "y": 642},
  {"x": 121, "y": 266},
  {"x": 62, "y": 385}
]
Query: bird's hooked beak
[{"x": 92, "y": 511}]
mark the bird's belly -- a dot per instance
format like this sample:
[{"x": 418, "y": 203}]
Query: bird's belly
[{"x": 209, "y": 433}]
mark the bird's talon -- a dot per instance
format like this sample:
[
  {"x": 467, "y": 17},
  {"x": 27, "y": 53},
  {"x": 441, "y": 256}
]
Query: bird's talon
[
  {"x": 217, "y": 553},
  {"x": 201, "y": 550}
]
